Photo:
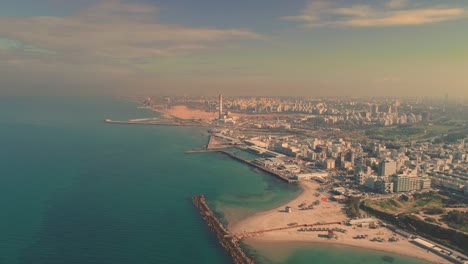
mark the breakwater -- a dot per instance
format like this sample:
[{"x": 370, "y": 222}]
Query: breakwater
[
  {"x": 210, "y": 142},
  {"x": 248, "y": 162},
  {"x": 276, "y": 174},
  {"x": 161, "y": 123},
  {"x": 201, "y": 150},
  {"x": 224, "y": 237},
  {"x": 258, "y": 232}
]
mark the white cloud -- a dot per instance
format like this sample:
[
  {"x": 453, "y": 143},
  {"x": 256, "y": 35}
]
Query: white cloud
[
  {"x": 312, "y": 11},
  {"x": 392, "y": 13},
  {"x": 408, "y": 17},
  {"x": 395, "y": 4},
  {"x": 113, "y": 30},
  {"x": 101, "y": 49}
]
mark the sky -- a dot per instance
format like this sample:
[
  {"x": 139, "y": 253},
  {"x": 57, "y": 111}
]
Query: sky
[{"x": 242, "y": 47}]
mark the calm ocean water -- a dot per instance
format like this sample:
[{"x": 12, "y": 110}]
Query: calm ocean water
[{"x": 76, "y": 190}]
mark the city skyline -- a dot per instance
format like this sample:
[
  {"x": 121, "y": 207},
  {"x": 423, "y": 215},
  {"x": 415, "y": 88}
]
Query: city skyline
[{"x": 310, "y": 48}]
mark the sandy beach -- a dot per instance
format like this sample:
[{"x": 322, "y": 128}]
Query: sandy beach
[
  {"x": 326, "y": 211},
  {"x": 183, "y": 112}
]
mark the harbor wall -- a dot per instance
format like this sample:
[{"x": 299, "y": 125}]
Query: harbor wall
[{"x": 227, "y": 241}]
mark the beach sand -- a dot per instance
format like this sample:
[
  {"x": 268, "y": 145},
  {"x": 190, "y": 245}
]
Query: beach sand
[
  {"x": 183, "y": 112},
  {"x": 327, "y": 211}
]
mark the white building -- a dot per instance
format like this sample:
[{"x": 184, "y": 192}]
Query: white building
[{"x": 303, "y": 176}]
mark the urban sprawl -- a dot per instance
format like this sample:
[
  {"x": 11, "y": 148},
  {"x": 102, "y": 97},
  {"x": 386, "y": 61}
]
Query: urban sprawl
[
  {"x": 402, "y": 160},
  {"x": 427, "y": 149}
]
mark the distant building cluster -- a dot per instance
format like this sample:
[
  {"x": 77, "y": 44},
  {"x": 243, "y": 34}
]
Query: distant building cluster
[
  {"x": 334, "y": 111},
  {"x": 301, "y": 138},
  {"x": 374, "y": 166}
]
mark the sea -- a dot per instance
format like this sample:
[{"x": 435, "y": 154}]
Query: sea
[{"x": 74, "y": 189}]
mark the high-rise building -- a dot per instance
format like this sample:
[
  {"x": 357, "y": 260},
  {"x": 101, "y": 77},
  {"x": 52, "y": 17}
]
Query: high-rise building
[
  {"x": 370, "y": 182},
  {"x": 396, "y": 105},
  {"x": 375, "y": 109},
  {"x": 425, "y": 183},
  {"x": 387, "y": 168},
  {"x": 220, "y": 106},
  {"x": 350, "y": 156},
  {"x": 401, "y": 183},
  {"x": 406, "y": 183},
  {"x": 383, "y": 185},
  {"x": 330, "y": 164}
]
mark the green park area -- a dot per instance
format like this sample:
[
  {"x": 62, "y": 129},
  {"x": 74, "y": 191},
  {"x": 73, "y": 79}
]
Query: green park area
[
  {"x": 416, "y": 132},
  {"x": 412, "y": 205},
  {"x": 431, "y": 207},
  {"x": 400, "y": 132}
]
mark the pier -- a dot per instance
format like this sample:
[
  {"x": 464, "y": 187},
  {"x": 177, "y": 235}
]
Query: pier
[
  {"x": 279, "y": 176},
  {"x": 200, "y": 151},
  {"x": 225, "y": 238},
  {"x": 258, "y": 232},
  {"x": 159, "y": 122},
  {"x": 134, "y": 122},
  {"x": 248, "y": 162}
]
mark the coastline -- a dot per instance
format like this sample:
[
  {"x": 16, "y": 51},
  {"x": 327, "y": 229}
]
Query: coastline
[
  {"x": 282, "y": 251},
  {"x": 183, "y": 112},
  {"x": 326, "y": 212},
  {"x": 230, "y": 214},
  {"x": 272, "y": 218}
]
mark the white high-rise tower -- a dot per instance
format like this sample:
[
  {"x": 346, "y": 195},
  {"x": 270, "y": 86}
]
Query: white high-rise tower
[{"x": 220, "y": 106}]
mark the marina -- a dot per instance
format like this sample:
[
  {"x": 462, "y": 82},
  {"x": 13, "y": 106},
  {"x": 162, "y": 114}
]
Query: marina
[
  {"x": 238, "y": 158},
  {"x": 279, "y": 176}
]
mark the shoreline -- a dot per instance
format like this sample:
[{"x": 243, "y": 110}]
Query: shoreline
[
  {"x": 284, "y": 249},
  {"x": 307, "y": 239},
  {"x": 301, "y": 244},
  {"x": 232, "y": 221},
  {"x": 185, "y": 113},
  {"x": 326, "y": 212}
]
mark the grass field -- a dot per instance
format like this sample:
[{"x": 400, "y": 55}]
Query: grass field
[
  {"x": 438, "y": 129},
  {"x": 415, "y": 132},
  {"x": 427, "y": 206},
  {"x": 395, "y": 205}
]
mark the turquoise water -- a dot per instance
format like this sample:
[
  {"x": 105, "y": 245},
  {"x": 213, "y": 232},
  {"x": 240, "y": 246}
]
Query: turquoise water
[
  {"x": 76, "y": 190},
  {"x": 244, "y": 154},
  {"x": 277, "y": 253}
]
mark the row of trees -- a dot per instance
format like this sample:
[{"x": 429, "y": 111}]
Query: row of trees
[
  {"x": 457, "y": 220},
  {"x": 353, "y": 208}
]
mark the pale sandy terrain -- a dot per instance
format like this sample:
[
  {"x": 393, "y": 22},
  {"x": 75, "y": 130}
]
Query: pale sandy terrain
[
  {"x": 183, "y": 112},
  {"x": 325, "y": 212}
]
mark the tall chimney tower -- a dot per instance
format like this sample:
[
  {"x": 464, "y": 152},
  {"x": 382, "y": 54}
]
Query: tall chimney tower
[{"x": 220, "y": 106}]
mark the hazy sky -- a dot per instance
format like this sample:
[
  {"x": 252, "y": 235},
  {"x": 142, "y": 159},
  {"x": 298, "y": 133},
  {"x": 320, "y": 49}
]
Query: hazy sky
[{"x": 241, "y": 47}]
